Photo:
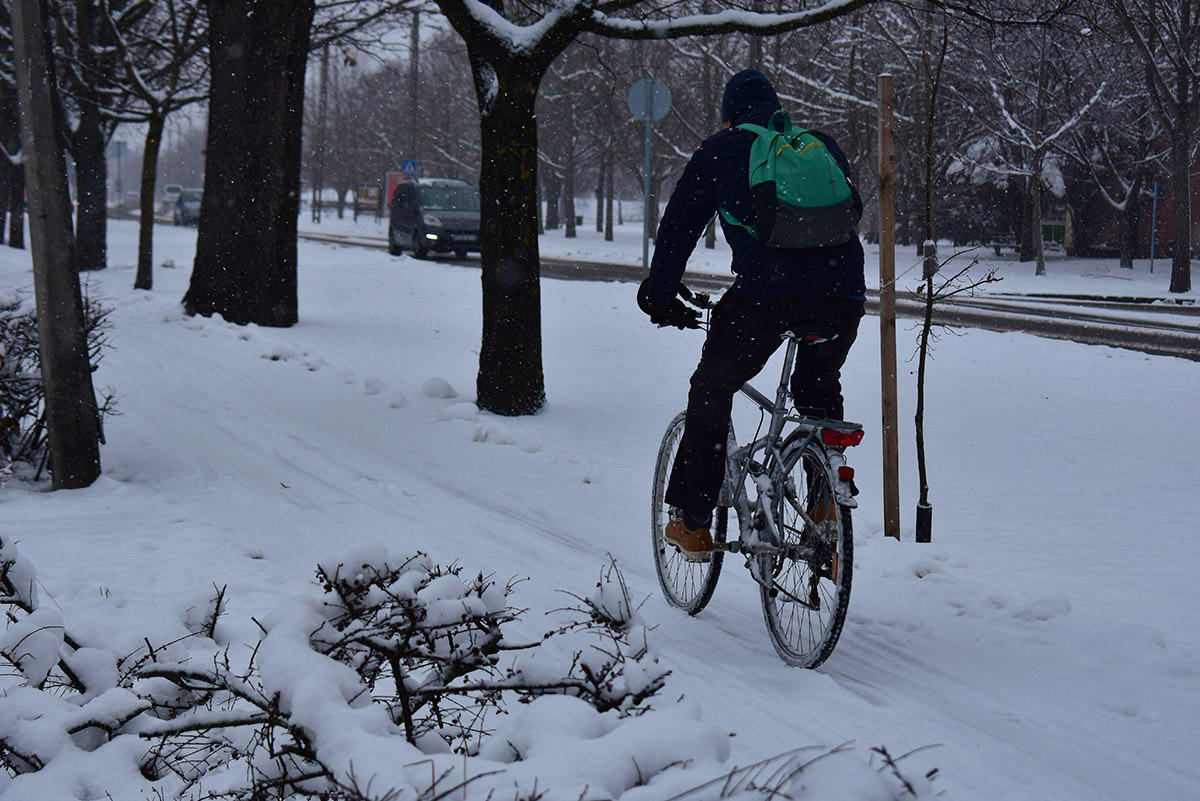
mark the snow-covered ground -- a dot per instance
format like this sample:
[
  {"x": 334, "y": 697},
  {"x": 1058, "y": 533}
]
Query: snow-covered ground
[{"x": 1044, "y": 646}]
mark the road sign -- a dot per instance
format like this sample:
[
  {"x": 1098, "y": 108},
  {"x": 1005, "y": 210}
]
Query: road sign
[
  {"x": 649, "y": 99},
  {"x": 408, "y": 166}
]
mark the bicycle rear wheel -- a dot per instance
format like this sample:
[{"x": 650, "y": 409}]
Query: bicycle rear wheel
[
  {"x": 687, "y": 585},
  {"x": 805, "y": 605}
]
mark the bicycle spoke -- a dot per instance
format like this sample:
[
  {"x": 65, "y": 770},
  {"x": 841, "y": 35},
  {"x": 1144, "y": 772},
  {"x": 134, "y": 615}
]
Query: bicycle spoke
[
  {"x": 806, "y": 604},
  {"x": 687, "y": 585}
]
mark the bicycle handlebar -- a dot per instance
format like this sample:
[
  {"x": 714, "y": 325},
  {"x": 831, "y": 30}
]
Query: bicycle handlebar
[{"x": 701, "y": 300}]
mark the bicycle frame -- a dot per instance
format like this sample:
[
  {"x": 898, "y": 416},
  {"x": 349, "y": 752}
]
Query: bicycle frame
[{"x": 756, "y": 522}]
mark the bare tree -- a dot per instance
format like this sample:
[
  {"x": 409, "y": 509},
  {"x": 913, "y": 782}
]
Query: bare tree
[
  {"x": 88, "y": 69},
  {"x": 245, "y": 267},
  {"x": 1167, "y": 35},
  {"x": 70, "y": 400},
  {"x": 12, "y": 175},
  {"x": 12, "y": 180},
  {"x": 162, "y": 69},
  {"x": 511, "y": 49},
  {"x": 1032, "y": 103},
  {"x": 1116, "y": 155}
]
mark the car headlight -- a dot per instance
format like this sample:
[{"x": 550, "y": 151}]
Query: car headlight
[{"x": 431, "y": 219}]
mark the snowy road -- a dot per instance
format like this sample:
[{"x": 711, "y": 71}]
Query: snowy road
[{"x": 1124, "y": 321}]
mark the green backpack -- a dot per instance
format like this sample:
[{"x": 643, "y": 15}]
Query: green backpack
[{"x": 802, "y": 198}]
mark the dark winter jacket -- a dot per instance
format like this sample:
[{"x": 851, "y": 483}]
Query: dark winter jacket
[{"x": 717, "y": 175}]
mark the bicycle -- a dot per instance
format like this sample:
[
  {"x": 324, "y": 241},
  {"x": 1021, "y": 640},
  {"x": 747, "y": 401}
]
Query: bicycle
[{"x": 793, "y": 493}]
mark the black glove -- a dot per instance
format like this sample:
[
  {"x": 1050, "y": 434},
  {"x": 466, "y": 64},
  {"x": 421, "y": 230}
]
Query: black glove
[{"x": 675, "y": 313}]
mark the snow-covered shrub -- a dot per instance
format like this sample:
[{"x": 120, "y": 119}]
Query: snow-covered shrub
[
  {"x": 399, "y": 680},
  {"x": 430, "y": 645},
  {"x": 22, "y": 408},
  {"x": 399, "y": 661}
]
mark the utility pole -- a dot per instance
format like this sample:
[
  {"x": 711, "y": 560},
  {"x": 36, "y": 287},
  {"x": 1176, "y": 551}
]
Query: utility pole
[{"x": 414, "y": 83}]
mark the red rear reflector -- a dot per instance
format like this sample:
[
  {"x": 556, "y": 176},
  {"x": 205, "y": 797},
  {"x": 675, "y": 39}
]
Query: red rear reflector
[
  {"x": 842, "y": 439},
  {"x": 846, "y": 473}
]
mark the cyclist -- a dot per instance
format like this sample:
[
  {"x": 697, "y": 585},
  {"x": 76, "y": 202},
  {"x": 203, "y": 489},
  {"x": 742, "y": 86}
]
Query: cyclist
[{"x": 776, "y": 289}]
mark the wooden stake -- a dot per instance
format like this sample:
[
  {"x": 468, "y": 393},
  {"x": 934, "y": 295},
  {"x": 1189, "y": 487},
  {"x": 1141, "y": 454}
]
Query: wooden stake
[{"x": 887, "y": 313}]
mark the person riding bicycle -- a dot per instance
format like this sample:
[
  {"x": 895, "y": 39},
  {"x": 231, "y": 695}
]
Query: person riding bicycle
[{"x": 776, "y": 290}]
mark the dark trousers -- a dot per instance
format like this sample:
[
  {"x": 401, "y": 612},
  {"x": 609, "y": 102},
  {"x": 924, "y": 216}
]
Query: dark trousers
[{"x": 743, "y": 335}]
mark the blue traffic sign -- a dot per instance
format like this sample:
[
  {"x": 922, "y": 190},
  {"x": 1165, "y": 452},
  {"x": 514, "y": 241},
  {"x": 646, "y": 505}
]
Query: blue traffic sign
[{"x": 408, "y": 166}]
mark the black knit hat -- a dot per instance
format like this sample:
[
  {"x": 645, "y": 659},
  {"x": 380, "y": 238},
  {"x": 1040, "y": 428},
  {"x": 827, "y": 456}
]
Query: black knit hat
[{"x": 746, "y": 90}]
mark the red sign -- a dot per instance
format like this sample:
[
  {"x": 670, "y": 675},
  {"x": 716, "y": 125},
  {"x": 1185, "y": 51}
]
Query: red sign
[{"x": 394, "y": 179}]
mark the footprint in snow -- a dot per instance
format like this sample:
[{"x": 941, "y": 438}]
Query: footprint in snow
[{"x": 1047, "y": 608}]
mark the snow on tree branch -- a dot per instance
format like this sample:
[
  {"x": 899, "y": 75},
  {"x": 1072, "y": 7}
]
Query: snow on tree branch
[{"x": 726, "y": 21}]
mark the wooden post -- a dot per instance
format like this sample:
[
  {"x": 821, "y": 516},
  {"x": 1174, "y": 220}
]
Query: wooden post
[{"x": 887, "y": 313}]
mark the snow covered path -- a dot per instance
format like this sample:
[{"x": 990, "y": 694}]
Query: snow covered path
[{"x": 1046, "y": 643}]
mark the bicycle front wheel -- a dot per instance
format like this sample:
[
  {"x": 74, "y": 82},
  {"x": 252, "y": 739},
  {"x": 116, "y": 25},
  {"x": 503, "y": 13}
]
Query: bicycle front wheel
[
  {"x": 687, "y": 585},
  {"x": 806, "y": 601}
]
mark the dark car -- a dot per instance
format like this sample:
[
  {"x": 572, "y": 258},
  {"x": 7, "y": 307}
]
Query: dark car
[
  {"x": 187, "y": 208},
  {"x": 434, "y": 214}
]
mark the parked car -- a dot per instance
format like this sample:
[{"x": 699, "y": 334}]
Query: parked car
[
  {"x": 170, "y": 195},
  {"x": 187, "y": 208},
  {"x": 434, "y": 214}
]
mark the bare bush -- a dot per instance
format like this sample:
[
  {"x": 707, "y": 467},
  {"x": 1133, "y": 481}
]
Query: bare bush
[{"x": 23, "y": 443}]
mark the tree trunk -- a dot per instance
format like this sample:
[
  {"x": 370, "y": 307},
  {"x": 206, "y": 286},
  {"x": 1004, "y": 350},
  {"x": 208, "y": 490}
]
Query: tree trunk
[
  {"x": 90, "y": 141},
  {"x": 1181, "y": 202},
  {"x": 5, "y": 195},
  {"x": 610, "y": 168},
  {"x": 510, "y": 380},
  {"x": 1035, "y": 198},
  {"x": 756, "y": 44},
  {"x": 245, "y": 268},
  {"x": 16, "y": 208},
  {"x": 145, "y": 264},
  {"x": 1130, "y": 224},
  {"x": 568, "y": 190},
  {"x": 72, "y": 422},
  {"x": 91, "y": 189},
  {"x": 1026, "y": 244},
  {"x": 568, "y": 193},
  {"x": 553, "y": 194},
  {"x": 600, "y": 172},
  {"x": 919, "y": 417}
]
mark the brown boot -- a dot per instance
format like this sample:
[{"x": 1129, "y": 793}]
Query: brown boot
[{"x": 694, "y": 543}]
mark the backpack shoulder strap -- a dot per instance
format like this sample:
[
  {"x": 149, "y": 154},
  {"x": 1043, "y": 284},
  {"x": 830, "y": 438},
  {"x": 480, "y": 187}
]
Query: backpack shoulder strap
[{"x": 757, "y": 130}]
